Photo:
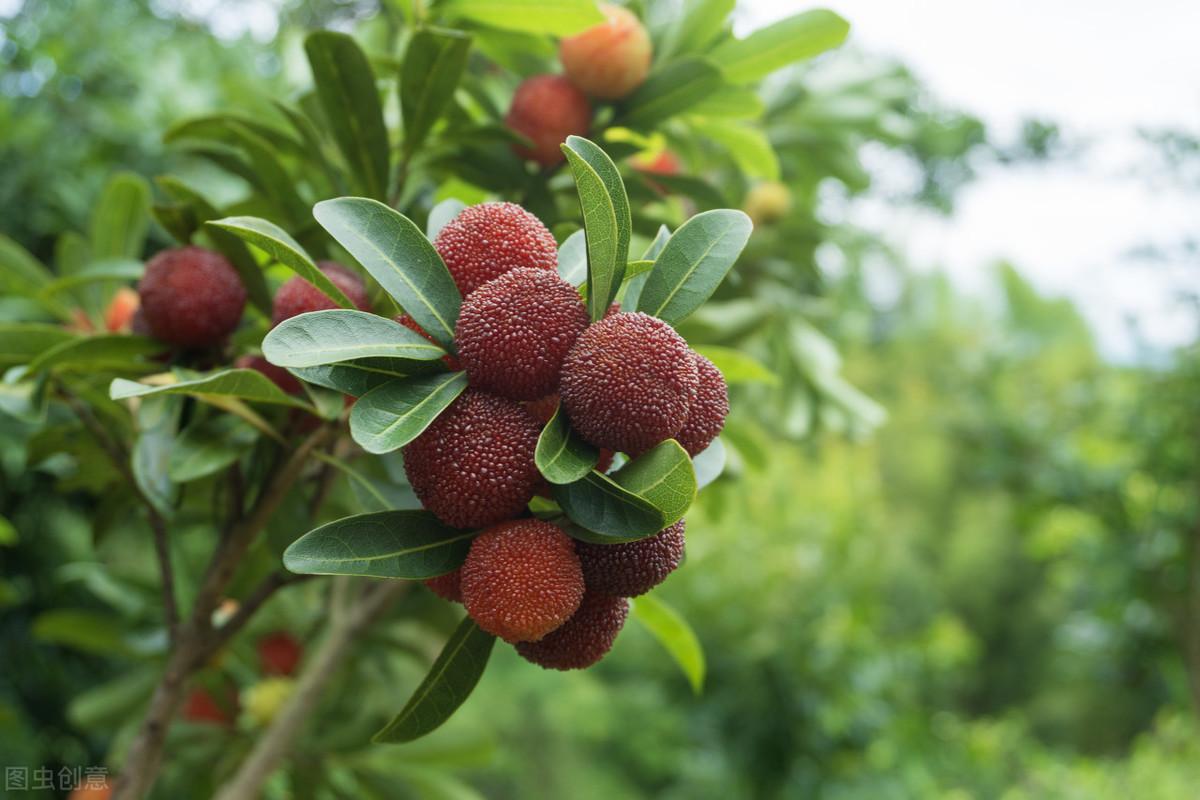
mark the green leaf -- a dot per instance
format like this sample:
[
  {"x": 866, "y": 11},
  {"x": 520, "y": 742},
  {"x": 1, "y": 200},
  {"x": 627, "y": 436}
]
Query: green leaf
[
  {"x": 399, "y": 257},
  {"x": 157, "y": 421},
  {"x": 329, "y": 337},
  {"x": 747, "y": 144},
  {"x": 20, "y": 272},
  {"x": 695, "y": 26},
  {"x": 97, "y": 353},
  {"x": 730, "y": 102},
  {"x": 244, "y": 384},
  {"x": 736, "y": 366},
  {"x": 674, "y": 634},
  {"x": 709, "y": 463},
  {"x": 277, "y": 243},
  {"x": 561, "y": 456},
  {"x": 110, "y": 704},
  {"x": 392, "y": 415},
  {"x": 119, "y": 219},
  {"x": 450, "y": 681},
  {"x": 22, "y": 341},
  {"x": 209, "y": 447},
  {"x": 433, "y": 64},
  {"x": 767, "y": 49},
  {"x": 80, "y": 629},
  {"x": 219, "y": 128},
  {"x": 606, "y": 220},
  {"x": 273, "y": 178},
  {"x": 671, "y": 90},
  {"x": 113, "y": 269},
  {"x": 664, "y": 477},
  {"x": 346, "y": 88},
  {"x": 693, "y": 263},
  {"x": 440, "y": 214},
  {"x": 355, "y": 378},
  {"x": 386, "y": 544},
  {"x": 572, "y": 259},
  {"x": 560, "y": 18}
]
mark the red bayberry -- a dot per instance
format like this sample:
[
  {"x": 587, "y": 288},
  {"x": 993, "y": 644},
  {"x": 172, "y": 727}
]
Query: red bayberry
[
  {"x": 521, "y": 580},
  {"x": 279, "y": 653},
  {"x": 706, "y": 416},
  {"x": 628, "y": 382},
  {"x": 450, "y": 361},
  {"x": 191, "y": 297},
  {"x": 485, "y": 241},
  {"x": 298, "y": 296},
  {"x": 474, "y": 465},
  {"x": 448, "y": 586},
  {"x": 629, "y": 569},
  {"x": 546, "y": 109},
  {"x": 201, "y": 706},
  {"x": 611, "y": 59},
  {"x": 582, "y": 640}
]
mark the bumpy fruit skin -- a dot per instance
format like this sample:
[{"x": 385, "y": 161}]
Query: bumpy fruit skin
[
  {"x": 448, "y": 586},
  {"x": 628, "y": 382},
  {"x": 118, "y": 316},
  {"x": 279, "y": 653},
  {"x": 278, "y": 375},
  {"x": 582, "y": 640},
  {"x": 474, "y": 465},
  {"x": 768, "y": 202},
  {"x": 485, "y": 241},
  {"x": 191, "y": 297},
  {"x": 611, "y": 59},
  {"x": 706, "y": 416},
  {"x": 514, "y": 332},
  {"x": 450, "y": 361},
  {"x": 630, "y": 569},
  {"x": 521, "y": 580},
  {"x": 542, "y": 410},
  {"x": 546, "y": 109},
  {"x": 298, "y": 296}
]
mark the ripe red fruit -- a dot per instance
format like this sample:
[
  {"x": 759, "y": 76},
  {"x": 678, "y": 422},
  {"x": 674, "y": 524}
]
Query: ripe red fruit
[
  {"x": 706, "y": 416},
  {"x": 279, "y": 653},
  {"x": 298, "y": 296},
  {"x": 448, "y": 586},
  {"x": 629, "y": 569},
  {"x": 450, "y": 361},
  {"x": 485, "y": 241},
  {"x": 191, "y": 297},
  {"x": 278, "y": 375},
  {"x": 201, "y": 706},
  {"x": 628, "y": 382},
  {"x": 611, "y": 59},
  {"x": 582, "y": 640},
  {"x": 663, "y": 163},
  {"x": 521, "y": 580},
  {"x": 118, "y": 316},
  {"x": 474, "y": 465},
  {"x": 546, "y": 109},
  {"x": 514, "y": 332}
]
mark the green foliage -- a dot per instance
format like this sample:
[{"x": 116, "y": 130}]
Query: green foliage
[{"x": 386, "y": 544}]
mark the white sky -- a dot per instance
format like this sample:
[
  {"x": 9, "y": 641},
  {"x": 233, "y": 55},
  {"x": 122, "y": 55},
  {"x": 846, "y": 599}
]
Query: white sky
[{"x": 1101, "y": 69}]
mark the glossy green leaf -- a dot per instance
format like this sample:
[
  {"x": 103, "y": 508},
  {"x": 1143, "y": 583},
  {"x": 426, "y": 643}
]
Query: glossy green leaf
[
  {"x": 20, "y": 342},
  {"x": 114, "y": 269},
  {"x": 329, "y": 337},
  {"x": 747, "y": 145},
  {"x": 664, "y": 477},
  {"x": 208, "y": 447},
  {"x": 346, "y": 88},
  {"x": 120, "y": 217},
  {"x": 561, "y": 456},
  {"x": 560, "y": 18},
  {"x": 397, "y": 254},
  {"x": 278, "y": 243},
  {"x": 675, "y": 88},
  {"x": 450, "y": 681},
  {"x": 731, "y": 102},
  {"x": 219, "y": 127},
  {"x": 392, "y": 415},
  {"x": 572, "y": 259},
  {"x": 736, "y": 366},
  {"x": 606, "y": 220},
  {"x": 781, "y": 43},
  {"x": 244, "y": 384},
  {"x": 693, "y": 263},
  {"x": 674, "y": 634},
  {"x": 433, "y": 64},
  {"x": 20, "y": 272},
  {"x": 96, "y": 353},
  {"x": 273, "y": 178},
  {"x": 355, "y": 378},
  {"x": 694, "y": 26},
  {"x": 440, "y": 214},
  {"x": 387, "y": 544}
]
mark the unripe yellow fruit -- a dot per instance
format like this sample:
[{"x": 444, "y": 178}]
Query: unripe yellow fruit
[
  {"x": 262, "y": 701},
  {"x": 768, "y": 202}
]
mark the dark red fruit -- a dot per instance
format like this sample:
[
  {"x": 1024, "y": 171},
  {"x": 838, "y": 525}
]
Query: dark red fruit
[
  {"x": 278, "y": 375},
  {"x": 448, "y": 586},
  {"x": 279, "y": 653},
  {"x": 514, "y": 332},
  {"x": 628, "y": 382},
  {"x": 474, "y": 465},
  {"x": 582, "y": 640},
  {"x": 485, "y": 241},
  {"x": 201, "y": 706},
  {"x": 706, "y": 416},
  {"x": 546, "y": 109},
  {"x": 191, "y": 297},
  {"x": 450, "y": 361},
  {"x": 629, "y": 569},
  {"x": 521, "y": 580},
  {"x": 298, "y": 296}
]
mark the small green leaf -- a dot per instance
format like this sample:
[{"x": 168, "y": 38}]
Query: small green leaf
[
  {"x": 278, "y": 243},
  {"x": 329, "y": 337},
  {"x": 433, "y": 64},
  {"x": 663, "y": 476},
  {"x": 440, "y": 214},
  {"x": 560, "y": 18},
  {"x": 119, "y": 218},
  {"x": 731, "y": 102},
  {"x": 97, "y": 353},
  {"x": 81, "y": 629},
  {"x": 273, "y": 179},
  {"x": 392, "y": 415},
  {"x": 736, "y": 366},
  {"x": 244, "y": 384},
  {"x": 785, "y": 42},
  {"x": 572, "y": 259},
  {"x": 675, "y": 88},
  {"x": 386, "y": 544},
  {"x": 561, "y": 456},
  {"x": 399, "y": 257},
  {"x": 674, "y": 634},
  {"x": 20, "y": 272},
  {"x": 208, "y": 447},
  {"x": 605, "y": 511},
  {"x": 450, "y": 681},
  {"x": 346, "y": 88},
  {"x": 748, "y": 145},
  {"x": 693, "y": 263},
  {"x": 113, "y": 269},
  {"x": 355, "y": 378},
  {"x": 606, "y": 220},
  {"x": 157, "y": 421}
]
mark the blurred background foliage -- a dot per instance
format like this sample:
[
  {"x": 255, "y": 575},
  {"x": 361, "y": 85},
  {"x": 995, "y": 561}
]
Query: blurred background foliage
[{"x": 956, "y": 555}]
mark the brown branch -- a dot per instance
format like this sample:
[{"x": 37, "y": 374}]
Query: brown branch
[{"x": 265, "y": 590}]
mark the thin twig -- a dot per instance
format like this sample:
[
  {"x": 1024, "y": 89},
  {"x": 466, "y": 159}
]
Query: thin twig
[{"x": 265, "y": 590}]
